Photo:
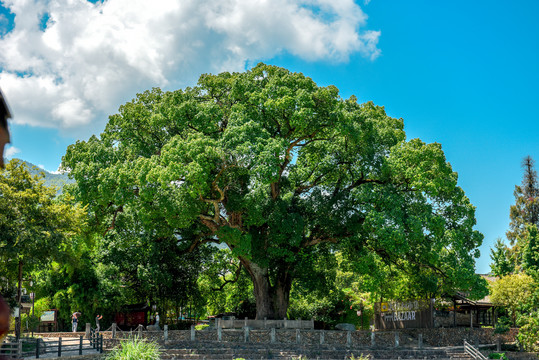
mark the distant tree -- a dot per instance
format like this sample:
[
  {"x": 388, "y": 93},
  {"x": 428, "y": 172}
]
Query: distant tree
[
  {"x": 513, "y": 292},
  {"x": 34, "y": 226},
  {"x": 272, "y": 165},
  {"x": 530, "y": 255},
  {"x": 525, "y": 211},
  {"x": 530, "y": 190},
  {"x": 502, "y": 263}
]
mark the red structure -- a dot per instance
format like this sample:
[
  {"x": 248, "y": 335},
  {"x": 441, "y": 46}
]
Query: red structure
[{"x": 132, "y": 316}]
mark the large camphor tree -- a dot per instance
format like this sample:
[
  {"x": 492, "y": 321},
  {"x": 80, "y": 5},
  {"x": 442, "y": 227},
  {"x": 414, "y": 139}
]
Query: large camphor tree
[{"x": 275, "y": 167}]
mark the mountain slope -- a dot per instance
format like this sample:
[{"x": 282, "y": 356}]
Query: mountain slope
[{"x": 57, "y": 180}]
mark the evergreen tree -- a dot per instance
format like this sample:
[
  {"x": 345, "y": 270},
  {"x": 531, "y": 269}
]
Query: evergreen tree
[
  {"x": 502, "y": 263},
  {"x": 526, "y": 208},
  {"x": 530, "y": 255},
  {"x": 531, "y": 190}
]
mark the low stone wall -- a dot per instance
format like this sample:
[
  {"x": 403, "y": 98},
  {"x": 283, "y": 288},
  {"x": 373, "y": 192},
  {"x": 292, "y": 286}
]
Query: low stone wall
[
  {"x": 380, "y": 339},
  {"x": 62, "y": 334},
  {"x": 85, "y": 357},
  {"x": 456, "y": 336},
  {"x": 511, "y": 355}
]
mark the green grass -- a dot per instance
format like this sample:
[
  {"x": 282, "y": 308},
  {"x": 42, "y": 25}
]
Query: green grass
[
  {"x": 135, "y": 349},
  {"x": 497, "y": 356},
  {"x": 361, "y": 357}
]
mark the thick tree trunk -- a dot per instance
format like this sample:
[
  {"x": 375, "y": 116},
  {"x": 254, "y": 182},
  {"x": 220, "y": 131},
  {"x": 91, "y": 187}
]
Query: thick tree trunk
[{"x": 271, "y": 300}]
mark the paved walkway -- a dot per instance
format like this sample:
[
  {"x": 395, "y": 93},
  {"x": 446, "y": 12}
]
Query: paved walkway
[{"x": 71, "y": 351}]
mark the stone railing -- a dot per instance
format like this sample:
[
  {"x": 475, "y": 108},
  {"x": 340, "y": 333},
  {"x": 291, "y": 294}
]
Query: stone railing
[{"x": 265, "y": 324}]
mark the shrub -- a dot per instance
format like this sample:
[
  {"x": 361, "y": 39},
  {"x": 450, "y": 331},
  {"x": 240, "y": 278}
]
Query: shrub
[
  {"x": 361, "y": 357},
  {"x": 201, "y": 326},
  {"x": 180, "y": 325},
  {"x": 528, "y": 334},
  {"x": 497, "y": 356},
  {"x": 503, "y": 325},
  {"x": 135, "y": 349}
]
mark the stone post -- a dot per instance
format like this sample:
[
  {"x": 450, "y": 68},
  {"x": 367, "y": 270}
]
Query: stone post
[
  {"x": 272, "y": 335},
  {"x": 396, "y": 339},
  {"x": 348, "y": 338},
  {"x": 265, "y": 322},
  {"x": 245, "y": 322},
  {"x": 420, "y": 340},
  {"x": 192, "y": 332},
  {"x": 373, "y": 342},
  {"x": 322, "y": 337},
  {"x": 312, "y": 323},
  {"x": 87, "y": 332},
  {"x": 298, "y": 336},
  {"x": 165, "y": 332},
  {"x": 114, "y": 330},
  {"x": 246, "y": 333},
  {"x": 140, "y": 331},
  {"x": 219, "y": 334},
  {"x": 498, "y": 344},
  {"x": 285, "y": 323}
]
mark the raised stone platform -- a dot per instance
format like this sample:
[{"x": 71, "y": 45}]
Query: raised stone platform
[{"x": 250, "y": 351}]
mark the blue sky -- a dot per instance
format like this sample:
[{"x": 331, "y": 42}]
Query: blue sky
[{"x": 463, "y": 74}]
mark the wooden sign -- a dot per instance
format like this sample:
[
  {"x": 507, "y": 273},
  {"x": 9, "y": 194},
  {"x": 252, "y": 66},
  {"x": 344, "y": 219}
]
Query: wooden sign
[{"x": 404, "y": 314}]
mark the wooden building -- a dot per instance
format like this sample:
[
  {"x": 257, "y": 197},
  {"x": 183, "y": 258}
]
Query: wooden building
[
  {"x": 472, "y": 313},
  {"x": 455, "y": 311}
]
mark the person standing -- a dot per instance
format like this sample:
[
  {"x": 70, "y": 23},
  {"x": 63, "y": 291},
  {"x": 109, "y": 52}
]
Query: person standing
[
  {"x": 97, "y": 318},
  {"x": 74, "y": 320}
]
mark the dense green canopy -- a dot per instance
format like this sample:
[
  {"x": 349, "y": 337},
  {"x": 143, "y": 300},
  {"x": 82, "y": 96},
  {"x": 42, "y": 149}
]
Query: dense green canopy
[
  {"x": 34, "y": 227},
  {"x": 274, "y": 166}
]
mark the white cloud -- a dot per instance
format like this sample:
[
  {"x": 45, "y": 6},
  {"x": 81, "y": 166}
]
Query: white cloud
[
  {"x": 58, "y": 170},
  {"x": 93, "y": 57},
  {"x": 11, "y": 151}
]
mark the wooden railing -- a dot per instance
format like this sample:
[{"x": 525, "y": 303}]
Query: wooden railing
[
  {"x": 473, "y": 351},
  {"x": 39, "y": 347},
  {"x": 11, "y": 349}
]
